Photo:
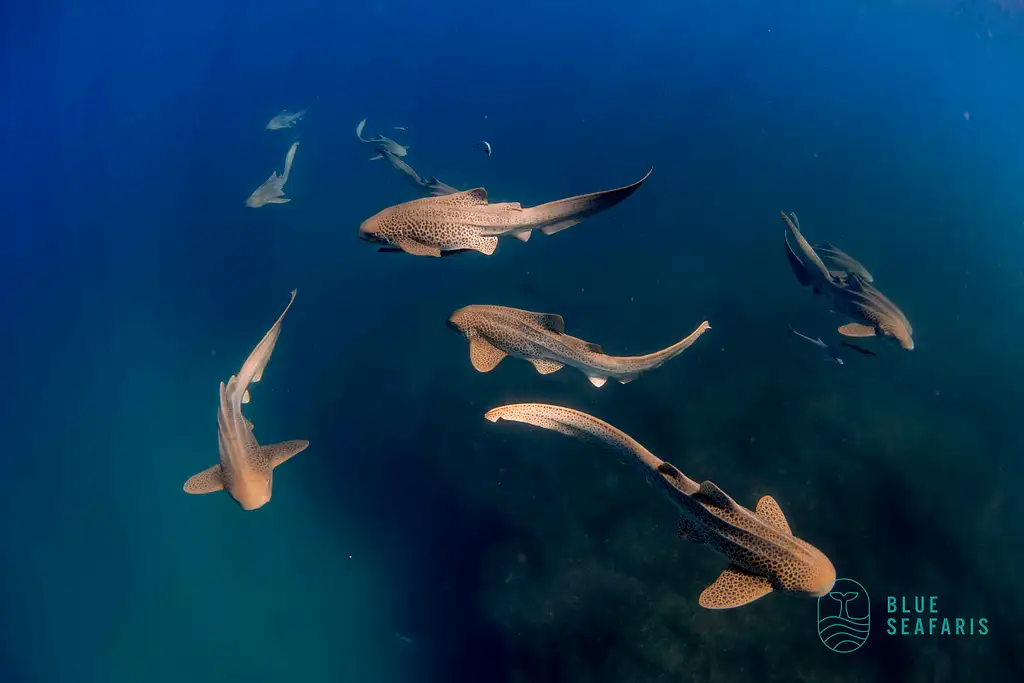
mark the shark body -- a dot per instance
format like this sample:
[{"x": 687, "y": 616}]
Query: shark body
[
  {"x": 495, "y": 332},
  {"x": 465, "y": 220},
  {"x": 246, "y": 469},
  {"x": 272, "y": 190},
  {"x": 379, "y": 140},
  {"x": 285, "y": 119},
  {"x": 871, "y": 313},
  {"x": 763, "y": 553}
]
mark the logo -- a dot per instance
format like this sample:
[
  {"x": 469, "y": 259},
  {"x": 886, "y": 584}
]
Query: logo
[{"x": 844, "y": 616}]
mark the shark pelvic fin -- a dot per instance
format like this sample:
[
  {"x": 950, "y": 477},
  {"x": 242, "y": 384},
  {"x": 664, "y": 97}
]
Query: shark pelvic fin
[{"x": 546, "y": 367}]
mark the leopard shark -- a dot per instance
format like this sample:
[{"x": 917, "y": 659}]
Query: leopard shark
[
  {"x": 465, "y": 220},
  {"x": 272, "y": 190},
  {"x": 764, "y": 555},
  {"x": 498, "y": 331},
  {"x": 870, "y": 312},
  {"x": 246, "y": 469}
]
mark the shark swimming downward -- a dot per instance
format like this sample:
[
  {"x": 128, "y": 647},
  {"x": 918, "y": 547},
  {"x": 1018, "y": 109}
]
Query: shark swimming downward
[
  {"x": 497, "y": 331},
  {"x": 272, "y": 190},
  {"x": 849, "y": 294},
  {"x": 466, "y": 221},
  {"x": 763, "y": 553},
  {"x": 246, "y": 469}
]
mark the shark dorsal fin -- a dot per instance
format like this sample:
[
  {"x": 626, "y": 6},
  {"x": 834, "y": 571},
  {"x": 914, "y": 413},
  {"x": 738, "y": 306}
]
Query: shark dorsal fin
[
  {"x": 549, "y": 321},
  {"x": 769, "y": 510},
  {"x": 475, "y": 197},
  {"x": 714, "y": 496}
]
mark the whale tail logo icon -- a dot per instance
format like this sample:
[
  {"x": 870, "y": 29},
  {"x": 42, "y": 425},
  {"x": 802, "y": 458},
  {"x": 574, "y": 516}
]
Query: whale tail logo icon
[{"x": 844, "y": 617}]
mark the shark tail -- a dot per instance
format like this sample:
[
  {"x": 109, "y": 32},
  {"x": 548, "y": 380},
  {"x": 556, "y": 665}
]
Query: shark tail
[
  {"x": 558, "y": 215},
  {"x": 656, "y": 359},
  {"x": 288, "y": 160}
]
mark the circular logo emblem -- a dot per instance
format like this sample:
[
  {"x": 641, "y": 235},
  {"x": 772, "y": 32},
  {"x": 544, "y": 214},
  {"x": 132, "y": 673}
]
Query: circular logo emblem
[{"x": 844, "y": 616}]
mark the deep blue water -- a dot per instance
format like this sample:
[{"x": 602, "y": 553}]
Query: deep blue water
[{"x": 414, "y": 540}]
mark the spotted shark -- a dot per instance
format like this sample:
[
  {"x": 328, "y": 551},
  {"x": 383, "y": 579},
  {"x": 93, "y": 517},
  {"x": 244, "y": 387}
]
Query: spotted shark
[
  {"x": 272, "y": 191},
  {"x": 871, "y": 313},
  {"x": 246, "y": 469},
  {"x": 843, "y": 262},
  {"x": 285, "y": 119},
  {"x": 381, "y": 141},
  {"x": 498, "y": 331},
  {"x": 465, "y": 220},
  {"x": 763, "y": 553},
  {"x": 407, "y": 171}
]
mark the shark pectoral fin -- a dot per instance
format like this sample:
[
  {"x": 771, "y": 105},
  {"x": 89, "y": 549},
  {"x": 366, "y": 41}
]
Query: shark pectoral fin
[
  {"x": 278, "y": 453},
  {"x": 598, "y": 381},
  {"x": 838, "y": 274},
  {"x": 714, "y": 496},
  {"x": 523, "y": 236},
  {"x": 245, "y": 396},
  {"x": 546, "y": 367},
  {"x": 484, "y": 355},
  {"x": 626, "y": 379},
  {"x": 857, "y": 330},
  {"x": 769, "y": 510},
  {"x": 687, "y": 530},
  {"x": 418, "y": 248},
  {"x": 734, "y": 587},
  {"x": 375, "y": 157},
  {"x": 485, "y": 244},
  {"x": 207, "y": 481}
]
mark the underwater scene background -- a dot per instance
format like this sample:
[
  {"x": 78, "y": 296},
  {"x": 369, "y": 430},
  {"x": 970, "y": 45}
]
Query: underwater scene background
[{"x": 413, "y": 540}]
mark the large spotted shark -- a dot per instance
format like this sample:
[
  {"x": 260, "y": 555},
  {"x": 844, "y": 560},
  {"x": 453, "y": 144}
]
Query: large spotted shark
[
  {"x": 763, "y": 553},
  {"x": 246, "y": 469},
  {"x": 466, "y": 221},
  {"x": 871, "y": 313},
  {"x": 497, "y": 331}
]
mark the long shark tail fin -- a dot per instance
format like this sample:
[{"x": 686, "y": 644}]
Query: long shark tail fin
[
  {"x": 653, "y": 360},
  {"x": 288, "y": 161},
  {"x": 558, "y": 215},
  {"x": 589, "y": 428}
]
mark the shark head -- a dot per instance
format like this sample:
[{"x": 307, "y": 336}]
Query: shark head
[
  {"x": 896, "y": 331},
  {"x": 459, "y": 321},
  {"x": 822, "y": 576},
  {"x": 376, "y": 228},
  {"x": 255, "y": 493}
]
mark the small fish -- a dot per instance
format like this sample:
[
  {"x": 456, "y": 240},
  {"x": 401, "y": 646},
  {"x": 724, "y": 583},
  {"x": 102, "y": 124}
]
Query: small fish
[
  {"x": 286, "y": 119},
  {"x": 465, "y": 220},
  {"x": 498, "y": 331},
  {"x": 272, "y": 190},
  {"x": 399, "y": 127},
  {"x": 246, "y": 469},
  {"x": 858, "y": 349},
  {"x": 830, "y": 355},
  {"x": 487, "y": 147},
  {"x": 763, "y": 553}
]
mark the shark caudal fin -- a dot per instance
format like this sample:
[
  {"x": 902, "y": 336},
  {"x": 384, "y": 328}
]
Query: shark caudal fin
[
  {"x": 653, "y": 360},
  {"x": 558, "y": 215}
]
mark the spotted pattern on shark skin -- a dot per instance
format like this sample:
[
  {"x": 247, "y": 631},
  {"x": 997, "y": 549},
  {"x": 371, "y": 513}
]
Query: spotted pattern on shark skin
[
  {"x": 764, "y": 555},
  {"x": 541, "y": 337},
  {"x": 465, "y": 220}
]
